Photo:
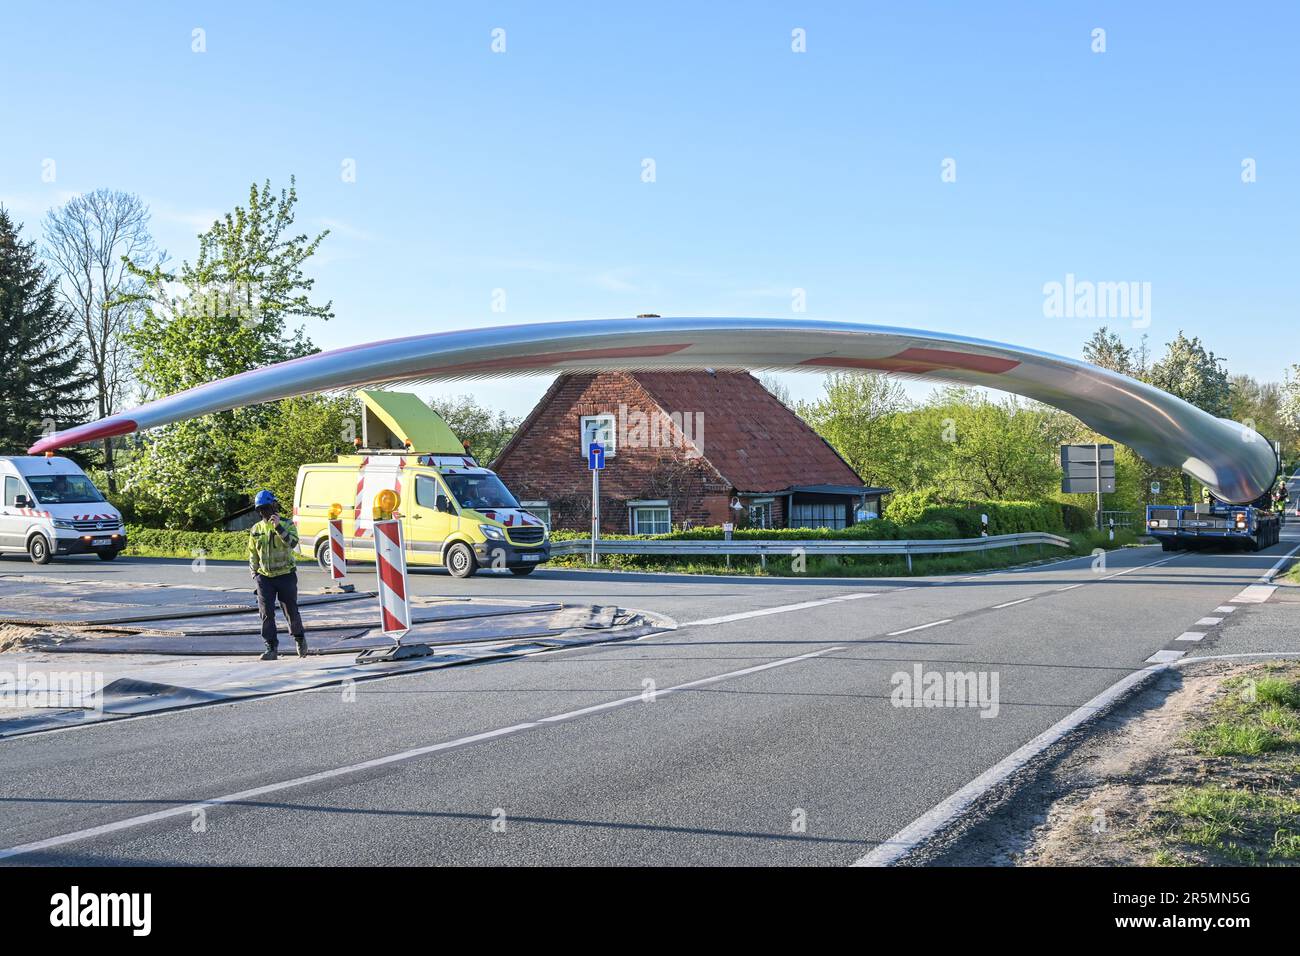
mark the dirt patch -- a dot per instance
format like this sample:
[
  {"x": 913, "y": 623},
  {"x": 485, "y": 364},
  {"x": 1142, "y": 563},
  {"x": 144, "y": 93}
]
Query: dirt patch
[
  {"x": 1202, "y": 767},
  {"x": 22, "y": 637}
]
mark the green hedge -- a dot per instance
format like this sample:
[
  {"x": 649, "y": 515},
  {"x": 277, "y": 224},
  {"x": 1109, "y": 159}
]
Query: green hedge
[
  {"x": 185, "y": 543},
  {"x": 1005, "y": 517}
]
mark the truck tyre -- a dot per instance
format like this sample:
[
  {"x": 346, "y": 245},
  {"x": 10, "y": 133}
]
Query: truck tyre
[
  {"x": 38, "y": 549},
  {"x": 1166, "y": 546},
  {"x": 524, "y": 571},
  {"x": 323, "y": 554},
  {"x": 107, "y": 555},
  {"x": 460, "y": 561}
]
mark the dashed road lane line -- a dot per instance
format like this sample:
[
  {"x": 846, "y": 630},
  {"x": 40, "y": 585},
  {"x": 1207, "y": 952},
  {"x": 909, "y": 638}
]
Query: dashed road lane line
[
  {"x": 1190, "y": 636},
  {"x": 1209, "y": 621},
  {"x": 1224, "y": 609},
  {"x": 1011, "y": 603},
  {"x": 391, "y": 759},
  {"x": 783, "y": 608},
  {"x": 1255, "y": 594},
  {"x": 823, "y": 602},
  {"x": 1164, "y": 657},
  {"x": 919, "y": 627},
  {"x": 1263, "y": 590}
]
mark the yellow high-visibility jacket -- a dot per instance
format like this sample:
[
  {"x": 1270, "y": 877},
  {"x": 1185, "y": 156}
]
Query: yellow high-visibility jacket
[{"x": 269, "y": 554}]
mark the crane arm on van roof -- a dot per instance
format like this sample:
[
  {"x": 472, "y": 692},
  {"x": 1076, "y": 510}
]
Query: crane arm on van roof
[{"x": 391, "y": 419}]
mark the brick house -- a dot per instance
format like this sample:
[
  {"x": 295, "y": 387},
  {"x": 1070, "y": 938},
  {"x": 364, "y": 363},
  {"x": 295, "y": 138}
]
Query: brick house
[{"x": 683, "y": 449}]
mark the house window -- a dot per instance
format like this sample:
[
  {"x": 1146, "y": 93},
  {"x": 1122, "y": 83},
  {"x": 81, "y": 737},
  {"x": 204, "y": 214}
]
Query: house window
[
  {"x": 804, "y": 515},
  {"x": 598, "y": 428},
  {"x": 650, "y": 517},
  {"x": 760, "y": 513},
  {"x": 539, "y": 509}
]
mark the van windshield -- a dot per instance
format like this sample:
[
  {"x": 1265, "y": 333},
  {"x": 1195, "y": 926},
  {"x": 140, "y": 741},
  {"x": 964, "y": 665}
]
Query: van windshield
[
  {"x": 64, "y": 489},
  {"x": 477, "y": 492}
]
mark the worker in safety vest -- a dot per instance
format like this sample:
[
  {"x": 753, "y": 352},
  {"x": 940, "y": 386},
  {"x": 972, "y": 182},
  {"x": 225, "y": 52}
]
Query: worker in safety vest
[{"x": 271, "y": 544}]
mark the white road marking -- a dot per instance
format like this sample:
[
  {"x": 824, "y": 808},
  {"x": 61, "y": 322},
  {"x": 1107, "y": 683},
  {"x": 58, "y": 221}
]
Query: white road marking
[
  {"x": 1209, "y": 621},
  {"x": 919, "y": 627},
  {"x": 402, "y": 757},
  {"x": 1224, "y": 609},
  {"x": 941, "y": 816},
  {"x": 1011, "y": 603},
  {"x": 783, "y": 608},
  {"x": 1164, "y": 657},
  {"x": 1261, "y": 592},
  {"x": 1255, "y": 594},
  {"x": 1070, "y": 587},
  {"x": 1189, "y": 636}
]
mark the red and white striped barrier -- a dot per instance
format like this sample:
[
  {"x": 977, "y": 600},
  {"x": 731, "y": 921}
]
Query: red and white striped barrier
[
  {"x": 338, "y": 562},
  {"x": 390, "y": 566}
]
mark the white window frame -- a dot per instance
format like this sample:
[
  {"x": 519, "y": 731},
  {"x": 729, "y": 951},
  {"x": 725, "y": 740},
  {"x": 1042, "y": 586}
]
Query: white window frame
[
  {"x": 767, "y": 503},
  {"x": 656, "y": 504},
  {"x": 794, "y": 522},
  {"x": 532, "y": 507},
  {"x": 608, "y": 424}
]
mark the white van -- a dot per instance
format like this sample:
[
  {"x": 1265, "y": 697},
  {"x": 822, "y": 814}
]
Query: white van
[{"x": 52, "y": 508}]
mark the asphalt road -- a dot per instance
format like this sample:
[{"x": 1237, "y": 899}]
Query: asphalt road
[{"x": 783, "y": 748}]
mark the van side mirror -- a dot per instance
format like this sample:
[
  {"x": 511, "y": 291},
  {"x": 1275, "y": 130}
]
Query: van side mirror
[
  {"x": 22, "y": 501},
  {"x": 443, "y": 504}
]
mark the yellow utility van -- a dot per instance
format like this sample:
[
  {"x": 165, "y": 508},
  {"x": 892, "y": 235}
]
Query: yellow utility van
[{"x": 454, "y": 513}]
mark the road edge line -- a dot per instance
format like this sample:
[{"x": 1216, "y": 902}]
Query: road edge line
[{"x": 947, "y": 813}]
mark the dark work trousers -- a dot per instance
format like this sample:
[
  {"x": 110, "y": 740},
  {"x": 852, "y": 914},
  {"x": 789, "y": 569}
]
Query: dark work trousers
[{"x": 284, "y": 589}]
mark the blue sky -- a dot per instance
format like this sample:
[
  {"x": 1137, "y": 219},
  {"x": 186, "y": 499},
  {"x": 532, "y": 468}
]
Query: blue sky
[{"x": 774, "y": 170}]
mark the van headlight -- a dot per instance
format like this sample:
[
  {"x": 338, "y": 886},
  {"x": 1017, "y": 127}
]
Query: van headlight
[
  {"x": 492, "y": 532},
  {"x": 65, "y": 525}
]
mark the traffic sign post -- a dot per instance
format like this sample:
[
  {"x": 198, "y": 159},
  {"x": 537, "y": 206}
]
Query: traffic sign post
[
  {"x": 1088, "y": 469},
  {"x": 596, "y": 462}
]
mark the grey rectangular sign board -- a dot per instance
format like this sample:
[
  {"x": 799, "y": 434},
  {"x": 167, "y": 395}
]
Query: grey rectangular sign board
[
  {"x": 1088, "y": 469},
  {"x": 1087, "y": 486},
  {"x": 1087, "y": 453}
]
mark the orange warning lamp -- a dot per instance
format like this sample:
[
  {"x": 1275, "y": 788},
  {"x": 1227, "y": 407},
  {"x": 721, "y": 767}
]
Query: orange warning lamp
[
  {"x": 336, "y": 509},
  {"x": 386, "y": 503}
]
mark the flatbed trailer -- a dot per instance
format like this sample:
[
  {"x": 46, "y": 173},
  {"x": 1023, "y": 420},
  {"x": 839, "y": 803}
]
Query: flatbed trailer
[{"x": 1184, "y": 527}]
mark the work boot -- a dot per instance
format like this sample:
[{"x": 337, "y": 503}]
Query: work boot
[
  {"x": 270, "y": 654},
  {"x": 301, "y": 644}
]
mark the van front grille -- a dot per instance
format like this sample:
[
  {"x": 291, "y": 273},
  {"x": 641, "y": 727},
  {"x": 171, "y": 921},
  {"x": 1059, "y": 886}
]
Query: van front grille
[
  {"x": 528, "y": 534},
  {"x": 102, "y": 525}
]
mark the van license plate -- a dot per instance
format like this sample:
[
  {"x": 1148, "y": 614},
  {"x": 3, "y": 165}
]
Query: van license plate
[
  {"x": 531, "y": 557},
  {"x": 101, "y": 542}
]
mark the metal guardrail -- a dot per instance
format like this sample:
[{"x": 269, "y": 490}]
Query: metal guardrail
[{"x": 771, "y": 548}]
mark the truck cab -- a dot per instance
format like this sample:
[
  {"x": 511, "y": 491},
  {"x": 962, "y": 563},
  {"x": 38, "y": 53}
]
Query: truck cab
[
  {"x": 51, "y": 508},
  {"x": 454, "y": 513}
]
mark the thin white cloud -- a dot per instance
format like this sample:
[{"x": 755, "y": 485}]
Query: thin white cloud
[{"x": 344, "y": 230}]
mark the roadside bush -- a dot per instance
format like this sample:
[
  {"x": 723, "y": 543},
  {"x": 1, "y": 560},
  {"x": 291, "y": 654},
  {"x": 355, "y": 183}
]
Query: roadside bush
[
  {"x": 182, "y": 544},
  {"x": 906, "y": 507},
  {"x": 1076, "y": 518},
  {"x": 1085, "y": 542}
]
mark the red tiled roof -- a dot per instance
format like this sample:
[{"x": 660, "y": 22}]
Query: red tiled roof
[{"x": 750, "y": 437}]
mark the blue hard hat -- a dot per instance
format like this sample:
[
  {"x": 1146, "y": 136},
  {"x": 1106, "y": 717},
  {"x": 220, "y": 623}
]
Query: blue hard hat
[{"x": 263, "y": 498}]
